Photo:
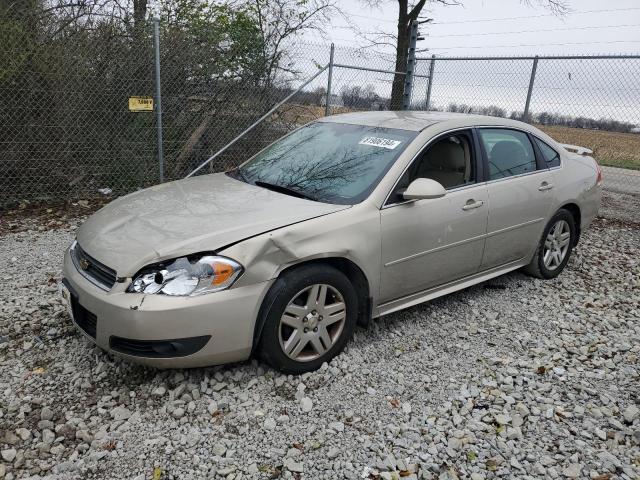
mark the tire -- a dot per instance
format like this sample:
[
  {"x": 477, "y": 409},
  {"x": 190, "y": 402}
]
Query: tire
[
  {"x": 290, "y": 314},
  {"x": 551, "y": 269}
]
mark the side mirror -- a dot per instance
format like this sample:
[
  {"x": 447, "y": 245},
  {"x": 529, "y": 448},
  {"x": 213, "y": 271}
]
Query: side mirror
[{"x": 424, "y": 188}]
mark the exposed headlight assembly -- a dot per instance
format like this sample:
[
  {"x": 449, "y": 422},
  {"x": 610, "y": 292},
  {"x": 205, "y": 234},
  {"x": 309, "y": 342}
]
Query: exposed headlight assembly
[{"x": 186, "y": 276}]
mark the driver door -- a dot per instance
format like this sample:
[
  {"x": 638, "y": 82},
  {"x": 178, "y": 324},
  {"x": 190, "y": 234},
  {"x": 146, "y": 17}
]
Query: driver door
[{"x": 429, "y": 242}]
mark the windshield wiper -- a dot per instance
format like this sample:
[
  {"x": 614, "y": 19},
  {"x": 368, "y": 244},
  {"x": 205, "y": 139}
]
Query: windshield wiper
[
  {"x": 285, "y": 190},
  {"x": 237, "y": 173}
]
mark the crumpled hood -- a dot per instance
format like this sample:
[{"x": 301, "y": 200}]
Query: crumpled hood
[{"x": 197, "y": 214}]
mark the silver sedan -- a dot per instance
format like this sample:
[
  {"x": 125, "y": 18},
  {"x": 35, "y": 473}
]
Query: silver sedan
[{"x": 344, "y": 220}]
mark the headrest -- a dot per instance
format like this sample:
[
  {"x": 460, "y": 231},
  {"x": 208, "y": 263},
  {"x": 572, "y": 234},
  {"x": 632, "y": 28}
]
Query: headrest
[
  {"x": 447, "y": 155},
  {"x": 507, "y": 151}
]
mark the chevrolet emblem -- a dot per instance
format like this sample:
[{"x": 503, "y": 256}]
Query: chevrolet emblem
[{"x": 84, "y": 264}]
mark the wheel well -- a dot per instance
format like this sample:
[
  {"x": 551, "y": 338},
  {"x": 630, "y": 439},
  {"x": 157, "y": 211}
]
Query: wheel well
[
  {"x": 354, "y": 274},
  {"x": 357, "y": 277},
  {"x": 575, "y": 212}
]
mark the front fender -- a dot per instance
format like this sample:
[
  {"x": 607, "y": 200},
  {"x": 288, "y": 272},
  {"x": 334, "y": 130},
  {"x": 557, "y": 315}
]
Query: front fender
[{"x": 353, "y": 234}]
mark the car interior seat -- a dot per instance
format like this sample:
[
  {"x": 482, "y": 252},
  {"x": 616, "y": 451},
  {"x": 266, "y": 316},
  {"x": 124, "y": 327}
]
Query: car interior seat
[
  {"x": 447, "y": 162},
  {"x": 509, "y": 158}
]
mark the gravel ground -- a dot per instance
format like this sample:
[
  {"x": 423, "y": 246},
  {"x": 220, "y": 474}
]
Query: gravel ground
[
  {"x": 514, "y": 378},
  {"x": 623, "y": 180},
  {"x": 621, "y": 206}
]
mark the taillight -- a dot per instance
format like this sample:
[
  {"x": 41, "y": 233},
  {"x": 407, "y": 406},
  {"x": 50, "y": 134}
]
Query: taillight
[{"x": 599, "y": 173}]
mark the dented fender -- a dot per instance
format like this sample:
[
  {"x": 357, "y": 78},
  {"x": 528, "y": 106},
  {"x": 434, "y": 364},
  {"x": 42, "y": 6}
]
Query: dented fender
[{"x": 352, "y": 234}]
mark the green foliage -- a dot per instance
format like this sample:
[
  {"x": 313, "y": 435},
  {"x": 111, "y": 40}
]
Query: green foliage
[
  {"x": 12, "y": 59},
  {"x": 68, "y": 68},
  {"x": 216, "y": 41},
  {"x": 64, "y": 88}
]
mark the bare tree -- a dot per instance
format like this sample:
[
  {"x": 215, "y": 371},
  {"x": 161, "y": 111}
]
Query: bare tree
[
  {"x": 356, "y": 96},
  {"x": 280, "y": 21},
  {"x": 139, "y": 12},
  {"x": 409, "y": 11}
]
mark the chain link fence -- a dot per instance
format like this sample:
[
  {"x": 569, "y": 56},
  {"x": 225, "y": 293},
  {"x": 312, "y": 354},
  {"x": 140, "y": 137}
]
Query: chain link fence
[
  {"x": 67, "y": 129},
  {"x": 592, "y": 101},
  {"x": 200, "y": 118},
  {"x": 64, "y": 124}
]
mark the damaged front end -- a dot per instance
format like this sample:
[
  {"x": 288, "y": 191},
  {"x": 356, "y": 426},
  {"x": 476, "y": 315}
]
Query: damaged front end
[{"x": 187, "y": 276}]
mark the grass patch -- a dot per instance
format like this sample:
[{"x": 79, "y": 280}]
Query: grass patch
[{"x": 620, "y": 163}]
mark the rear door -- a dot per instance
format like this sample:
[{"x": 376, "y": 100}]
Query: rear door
[{"x": 521, "y": 192}]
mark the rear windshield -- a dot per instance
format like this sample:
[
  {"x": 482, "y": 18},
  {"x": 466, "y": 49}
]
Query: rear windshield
[{"x": 328, "y": 162}]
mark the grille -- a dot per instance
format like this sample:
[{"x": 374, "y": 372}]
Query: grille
[
  {"x": 97, "y": 273},
  {"x": 86, "y": 320}
]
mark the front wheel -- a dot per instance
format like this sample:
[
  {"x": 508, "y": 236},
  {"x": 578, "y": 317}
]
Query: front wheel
[
  {"x": 309, "y": 315},
  {"x": 555, "y": 247}
]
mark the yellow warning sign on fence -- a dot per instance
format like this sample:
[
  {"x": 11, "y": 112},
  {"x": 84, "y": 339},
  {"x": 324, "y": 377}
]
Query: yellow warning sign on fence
[{"x": 141, "y": 104}]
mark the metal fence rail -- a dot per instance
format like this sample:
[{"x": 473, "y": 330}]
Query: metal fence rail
[{"x": 67, "y": 128}]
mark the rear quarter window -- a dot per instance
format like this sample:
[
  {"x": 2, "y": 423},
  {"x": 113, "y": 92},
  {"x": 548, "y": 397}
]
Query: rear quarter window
[{"x": 551, "y": 157}]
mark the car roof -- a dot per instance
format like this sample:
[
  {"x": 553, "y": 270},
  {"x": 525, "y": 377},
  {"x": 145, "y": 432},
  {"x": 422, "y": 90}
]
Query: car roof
[{"x": 418, "y": 121}]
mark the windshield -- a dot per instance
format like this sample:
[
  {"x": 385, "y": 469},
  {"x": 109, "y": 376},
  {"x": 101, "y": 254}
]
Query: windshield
[{"x": 326, "y": 161}]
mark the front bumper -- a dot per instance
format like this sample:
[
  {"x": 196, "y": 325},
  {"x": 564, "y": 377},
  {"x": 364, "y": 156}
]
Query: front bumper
[{"x": 227, "y": 318}]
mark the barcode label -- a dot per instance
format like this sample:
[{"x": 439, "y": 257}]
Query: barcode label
[{"x": 380, "y": 142}]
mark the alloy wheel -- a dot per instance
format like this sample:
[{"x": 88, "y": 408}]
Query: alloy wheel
[
  {"x": 312, "y": 322},
  {"x": 556, "y": 245}
]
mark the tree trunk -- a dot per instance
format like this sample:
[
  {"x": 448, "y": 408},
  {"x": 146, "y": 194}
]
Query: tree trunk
[
  {"x": 405, "y": 17},
  {"x": 139, "y": 13},
  {"x": 397, "y": 88},
  {"x": 402, "y": 51}
]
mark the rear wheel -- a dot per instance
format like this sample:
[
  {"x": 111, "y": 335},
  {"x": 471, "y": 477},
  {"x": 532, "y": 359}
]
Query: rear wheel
[
  {"x": 555, "y": 246},
  {"x": 310, "y": 316}
]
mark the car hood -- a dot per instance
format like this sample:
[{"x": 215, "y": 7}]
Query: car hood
[{"x": 197, "y": 214}]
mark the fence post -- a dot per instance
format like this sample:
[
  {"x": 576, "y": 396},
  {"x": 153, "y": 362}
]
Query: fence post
[
  {"x": 327, "y": 103},
  {"x": 430, "y": 84},
  {"x": 411, "y": 65},
  {"x": 156, "y": 44},
  {"x": 525, "y": 115}
]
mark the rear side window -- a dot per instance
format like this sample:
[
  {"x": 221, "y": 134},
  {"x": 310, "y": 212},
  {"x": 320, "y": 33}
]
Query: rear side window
[
  {"x": 509, "y": 152},
  {"x": 551, "y": 157}
]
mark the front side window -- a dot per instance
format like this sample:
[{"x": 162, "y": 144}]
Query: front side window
[
  {"x": 551, "y": 157},
  {"x": 328, "y": 162},
  {"x": 509, "y": 152},
  {"x": 449, "y": 161}
]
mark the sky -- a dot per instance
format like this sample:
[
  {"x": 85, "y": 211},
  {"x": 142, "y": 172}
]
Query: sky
[
  {"x": 501, "y": 27},
  {"x": 595, "y": 88}
]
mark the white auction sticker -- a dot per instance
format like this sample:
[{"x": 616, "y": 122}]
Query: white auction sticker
[{"x": 380, "y": 142}]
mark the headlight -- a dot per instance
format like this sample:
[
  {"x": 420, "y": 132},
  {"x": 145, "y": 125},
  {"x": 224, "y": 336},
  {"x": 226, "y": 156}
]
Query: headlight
[{"x": 182, "y": 277}]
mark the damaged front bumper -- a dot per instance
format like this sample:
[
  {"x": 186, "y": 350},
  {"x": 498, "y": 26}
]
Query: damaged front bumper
[{"x": 165, "y": 331}]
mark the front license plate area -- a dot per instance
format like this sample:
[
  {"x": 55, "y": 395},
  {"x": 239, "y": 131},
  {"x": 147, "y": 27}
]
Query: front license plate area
[{"x": 66, "y": 296}]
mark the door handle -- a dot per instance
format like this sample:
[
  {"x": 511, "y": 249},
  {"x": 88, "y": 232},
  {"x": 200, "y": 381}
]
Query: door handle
[
  {"x": 545, "y": 186},
  {"x": 471, "y": 204}
]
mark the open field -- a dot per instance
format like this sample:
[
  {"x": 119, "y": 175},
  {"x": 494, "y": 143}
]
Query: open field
[{"x": 610, "y": 148}]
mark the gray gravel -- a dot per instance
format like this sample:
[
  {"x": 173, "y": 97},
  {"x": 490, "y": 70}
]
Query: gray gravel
[
  {"x": 515, "y": 378},
  {"x": 621, "y": 206},
  {"x": 622, "y": 180}
]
